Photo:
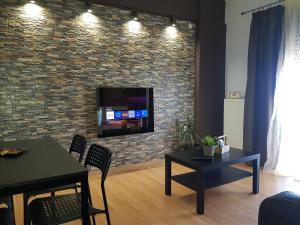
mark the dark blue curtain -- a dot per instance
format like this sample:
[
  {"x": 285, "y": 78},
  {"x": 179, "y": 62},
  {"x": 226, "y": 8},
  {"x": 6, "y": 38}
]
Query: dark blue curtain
[{"x": 264, "y": 46}]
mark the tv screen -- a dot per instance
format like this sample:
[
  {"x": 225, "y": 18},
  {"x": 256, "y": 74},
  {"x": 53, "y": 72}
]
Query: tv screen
[{"x": 122, "y": 111}]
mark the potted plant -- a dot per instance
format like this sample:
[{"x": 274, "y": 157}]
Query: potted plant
[
  {"x": 209, "y": 144},
  {"x": 187, "y": 133}
]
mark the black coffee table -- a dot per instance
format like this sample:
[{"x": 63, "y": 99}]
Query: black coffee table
[{"x": 210, "y": 173}]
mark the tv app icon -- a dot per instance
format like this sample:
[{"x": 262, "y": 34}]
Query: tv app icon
[
  {"x": 110, "y": 115},
  {"x": 131, "y": 114},
  {"x": 138, "y": 114}
]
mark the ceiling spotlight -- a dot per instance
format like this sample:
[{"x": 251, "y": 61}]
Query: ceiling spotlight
[
  {"x": 172, "y": 21},
  {"x": 32, "y": 1},
  {"x": 134, "y": 15},
  {"x": 88, "y": 5}
]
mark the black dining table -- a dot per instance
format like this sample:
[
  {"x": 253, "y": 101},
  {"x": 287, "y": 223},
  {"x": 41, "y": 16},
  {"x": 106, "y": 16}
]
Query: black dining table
[{"x": 45, "y": 164}]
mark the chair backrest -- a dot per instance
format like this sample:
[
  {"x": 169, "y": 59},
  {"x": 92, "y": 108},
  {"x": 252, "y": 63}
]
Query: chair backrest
[
  {"x": 100, "y": 157},
  {"x": 78, "y": 145}
]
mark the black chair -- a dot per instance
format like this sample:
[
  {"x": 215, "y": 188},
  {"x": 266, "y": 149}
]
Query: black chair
[
  {"x": 7, "y": 215},
  {"x": 65, "y": 208},
  {"x": 280, "y": 209},
  {"x": 78, "y": 146}
]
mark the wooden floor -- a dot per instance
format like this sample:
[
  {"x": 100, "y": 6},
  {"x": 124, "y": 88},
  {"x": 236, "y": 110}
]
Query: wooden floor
[{"x": 136, "y": 197}]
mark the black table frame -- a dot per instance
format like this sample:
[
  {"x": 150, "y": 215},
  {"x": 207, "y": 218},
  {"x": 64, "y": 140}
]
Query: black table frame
[
  {"x": 35, "y": 185},
  {"x": 198, "y": 181}
]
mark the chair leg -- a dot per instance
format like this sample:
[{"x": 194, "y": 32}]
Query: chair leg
[
  {"x": 12, "y": 210},
  {"x": 90, "y": 200},
  {"x": 93, "y": 216},
  {"x": 105, "y": 204},
  {"x": 94, "y": 219},
  {"x": 25, "y": 205}
]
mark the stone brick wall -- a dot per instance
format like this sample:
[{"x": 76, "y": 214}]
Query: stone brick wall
[{"x": 53, "y": 55}]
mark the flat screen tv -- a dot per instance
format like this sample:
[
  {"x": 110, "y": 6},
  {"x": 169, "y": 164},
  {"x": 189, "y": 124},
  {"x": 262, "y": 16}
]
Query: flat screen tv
[{"x": 122, "y": 111}]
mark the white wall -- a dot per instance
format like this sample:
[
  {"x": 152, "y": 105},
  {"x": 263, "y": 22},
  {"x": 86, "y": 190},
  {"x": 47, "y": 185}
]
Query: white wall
[
  {"x": 238, "y": 28},
  {"x": 234, "y": 122}
]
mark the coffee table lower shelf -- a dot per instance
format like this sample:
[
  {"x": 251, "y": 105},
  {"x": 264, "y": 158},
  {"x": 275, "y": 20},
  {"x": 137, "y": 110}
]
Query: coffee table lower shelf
[{"x": 213, "y": 178}]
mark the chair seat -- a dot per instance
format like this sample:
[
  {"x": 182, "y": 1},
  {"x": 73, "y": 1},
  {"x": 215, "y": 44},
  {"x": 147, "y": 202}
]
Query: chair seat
[
  {"x": 58, "y": 209},
  {"x": 6, "y": 217}
]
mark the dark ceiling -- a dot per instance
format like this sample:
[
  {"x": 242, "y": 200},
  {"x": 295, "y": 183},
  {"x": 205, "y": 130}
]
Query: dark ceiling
[{"x": 183, "y": 9}]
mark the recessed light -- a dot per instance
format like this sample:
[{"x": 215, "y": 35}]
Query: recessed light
[
  {"x": 134, "y": 15},
  {"x": 172, "y": 21},
  {"x": 32, "y": 1},
  {"x": 88, "y": 5}
]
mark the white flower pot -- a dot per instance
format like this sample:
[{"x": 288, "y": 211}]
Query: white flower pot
[{"x": 209, "y": 151}]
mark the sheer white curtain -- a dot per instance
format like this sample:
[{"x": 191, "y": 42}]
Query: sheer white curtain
[{"x": 284, "y": 131}]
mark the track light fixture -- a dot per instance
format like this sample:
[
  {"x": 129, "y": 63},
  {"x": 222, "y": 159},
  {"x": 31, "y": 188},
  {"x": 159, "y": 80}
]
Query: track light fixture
[
  {"x": 134, "y": 15},
  {"x": 88, "y": 6},
  {"x": 172, "y": 21}
]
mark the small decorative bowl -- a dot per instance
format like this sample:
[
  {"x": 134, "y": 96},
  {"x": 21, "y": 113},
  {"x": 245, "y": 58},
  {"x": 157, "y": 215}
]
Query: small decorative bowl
[{"x": 11, "y": 151}]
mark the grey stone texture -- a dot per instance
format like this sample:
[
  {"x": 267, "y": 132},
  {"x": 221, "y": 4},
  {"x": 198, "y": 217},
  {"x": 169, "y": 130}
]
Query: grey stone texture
[{"x": 53, "y": 55}]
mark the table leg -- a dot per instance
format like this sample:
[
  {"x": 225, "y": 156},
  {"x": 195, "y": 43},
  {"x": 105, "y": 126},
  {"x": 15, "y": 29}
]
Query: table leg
[
  {"x": 168, "y": 172},
  {"x": 200, "y": 194},
  {"x": 255, "y": 182},
  {"x": 84, "y": 201}
]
